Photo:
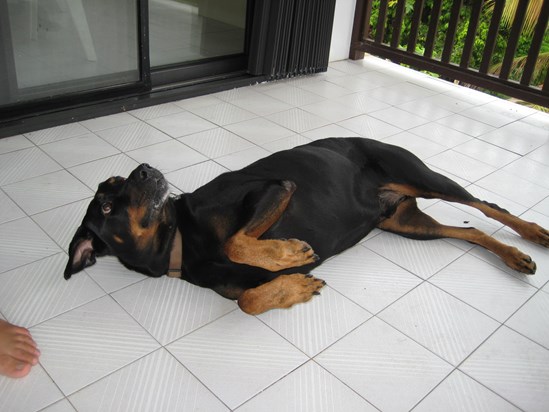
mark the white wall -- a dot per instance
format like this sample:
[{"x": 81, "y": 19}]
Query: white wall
[{"x": 341, "y": 32}]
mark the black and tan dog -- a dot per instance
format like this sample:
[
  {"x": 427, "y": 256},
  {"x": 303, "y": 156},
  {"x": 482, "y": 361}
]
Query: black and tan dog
[{"x": 254, "y": 234}]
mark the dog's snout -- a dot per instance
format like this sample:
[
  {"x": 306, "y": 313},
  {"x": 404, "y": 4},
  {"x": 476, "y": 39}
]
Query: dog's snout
[{"x": 145, "y": 171}]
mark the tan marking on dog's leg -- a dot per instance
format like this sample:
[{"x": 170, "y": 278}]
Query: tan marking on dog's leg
[
  {"x": 270, "y": 254},
  {"x": 282, "y": 292}
]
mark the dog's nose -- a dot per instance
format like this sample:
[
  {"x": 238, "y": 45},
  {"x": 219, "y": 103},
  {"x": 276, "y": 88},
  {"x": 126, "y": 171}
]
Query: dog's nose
[{"x": 144, "y": 171}]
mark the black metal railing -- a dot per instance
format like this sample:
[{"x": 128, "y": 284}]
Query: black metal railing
[{"x": 423, "y": 34}]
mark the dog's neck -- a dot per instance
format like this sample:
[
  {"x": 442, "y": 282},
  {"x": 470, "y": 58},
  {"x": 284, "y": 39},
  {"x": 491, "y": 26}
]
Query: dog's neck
[{"x": 176, "y": 256}]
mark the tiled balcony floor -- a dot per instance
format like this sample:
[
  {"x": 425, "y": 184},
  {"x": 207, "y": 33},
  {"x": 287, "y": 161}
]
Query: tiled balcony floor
[{"x": 402, "y": 324}]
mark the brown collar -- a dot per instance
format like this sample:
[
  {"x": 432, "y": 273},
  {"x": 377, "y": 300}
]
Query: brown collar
[{"x": 176, "y": 256}]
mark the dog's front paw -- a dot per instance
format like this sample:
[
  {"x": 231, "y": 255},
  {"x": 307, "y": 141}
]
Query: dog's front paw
[{"x": 295, "y": 253}]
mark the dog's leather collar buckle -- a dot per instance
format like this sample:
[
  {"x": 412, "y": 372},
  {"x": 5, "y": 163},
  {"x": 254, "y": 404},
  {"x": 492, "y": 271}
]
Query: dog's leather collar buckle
[{"x": 176, "y": 257}]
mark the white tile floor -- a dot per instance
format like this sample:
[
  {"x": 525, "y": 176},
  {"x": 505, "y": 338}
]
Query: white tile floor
[{"x": 402, "y": 324}]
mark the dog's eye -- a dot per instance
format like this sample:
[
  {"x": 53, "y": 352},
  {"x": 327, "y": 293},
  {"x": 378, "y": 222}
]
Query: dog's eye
[{"x": 106, "y": 208}]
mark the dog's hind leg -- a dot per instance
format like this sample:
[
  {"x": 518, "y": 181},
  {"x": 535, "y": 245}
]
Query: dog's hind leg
[
  {"x": 245, "y": 247},
  {"x": 281, "y": 292},
  {"x": 409, "y": 221}
]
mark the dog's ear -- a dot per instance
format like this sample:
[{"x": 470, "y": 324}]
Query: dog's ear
[{"x": 83, "y": 249}]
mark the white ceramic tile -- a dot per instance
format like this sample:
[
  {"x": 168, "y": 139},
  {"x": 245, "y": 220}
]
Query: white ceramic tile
[
  {"x": 399, "y": 118},
  {"x": 216, "y": 142},
  {"x": 530, "y": 170},
  {"x": 465, "y": 125},
  {"x": 427, "y": 108},
  {"x": 539, "y": 119},
  {"x": 380, "y": 78},
  {"x": 241, "y": 159},
  {"x": 111, "y": 275},
  {"x": 259, "y": 130},
  {"x": 489, "y": 196},
  {"x": 13, "y": 143},
  {"x": 90, "y": 342},
  {"x": 261, "y": 104},
  {"x": 541, "y": 155},
  {"x": 461, "y": 165},
  {"x": 107, "y": 122},
  {"x": 349, "y": 66},
  {"x": 8, "y": 209},
  {"x": 532, "y": 320},
  {"x": 332, "y": 130},
  {"x": 486, "y": 153},
  {"x": 47, "y": 192},
  {"x": 239, "y": 349},
  {"x": 543, "y": 206},
  {"x": 158, "y": 110},
  {"x": 483, "y": 286},
  {"x": 440, "y": 322},
  {"x": 488, "y": 115},
  {"x": 181, "y": 124},
  {"x": 157, "y": 381},
  {"x": 460, "y": 393},
  {"x": 286, "y": 143},
  {"x": 237, "y": 93},
  {"x": 167, "y": 156},
  {"x": 223, "y": 113},
  {"x": 422, "y": 258},
  {"x": 441, "y": 134},
  {"x": 78, "y": 150},
  {"x": 362, "y": 102},
  {"x": 332, "y": 111},
  {"x": 325, "y": 89},
  {"x": 353, "y": 83},
  {"x": 98, "y": 171},
  {"x": 22, "y": 242},
  {"x": 31, "y": 393},
  {"x": 419, "y": 146},
  {"x": 370, "y": 127},
  {"x": 514, "y": 188},
  {"x": 170, "y": 308},
  {"x": 298, "y": 120},
  {"x": 191, "y": 178},
  {"x": 61, "y": 406},
  {"x": 384, "y": 363},
  {"x": 36, "y": 292},
  {"x": 133, "y": 136},
  {"x": 53, "y": 134},
  {"x": 514, "y": 367},
  {"x": 309, "y": 388},
  {"x": 399, "y": 93},
  {"x": 531, "y": 137},
  {"x": 24, "y": 164},
  {"x": 292, "y": 95},
  {"x": 315, "y": 325},
  {"x": 200, "y": 101},
  {"x": 471, "y": 96},
  {"x": 366, "y": 278}
]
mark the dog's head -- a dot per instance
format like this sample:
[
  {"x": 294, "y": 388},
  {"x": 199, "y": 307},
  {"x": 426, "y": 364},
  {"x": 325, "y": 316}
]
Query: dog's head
[{"x": 132, "y": 219}]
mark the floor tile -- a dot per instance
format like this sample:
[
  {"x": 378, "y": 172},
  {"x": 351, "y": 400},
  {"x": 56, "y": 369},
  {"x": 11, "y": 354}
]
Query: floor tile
[
  {"x": 489, "y": 196},
  {"x": 78, "y": 150},
  {"x": 25, "y": 164},
  {"x": 325, "y": 89},
  {"x": 53, "y": 134},
  {"x": 286, "y": 143},
  {"x": 200, "y": 101},
  {"x": 366, "y": 278},
  {"x": 93, "y": 173},
  {"x": 154, "y": 302},
  {"x": 223, "y": 114},
  {"x": 488, "y": 115},
  {"x": 422, "y": 258},
  {"x": 332, "y": 111},
  {"x": 47, "y": 192},
  {"x": 529, "y": 170},
  {"x": 461, "y": 165},
  {"x": 13, "y": 143},
  {"x": 419, "y": 146},
  {"x": 293, "y": 96},
  {"x": 440, "y": 322},
  {"x": 379, "y": 354},
  {"x": 98, "y": 338},
  {"x": 465, "y": 125},
  {"x": 483, "y": 286},
  {"x": 471, "y": 96},
  {"x": 191, "y": 178},
  {"x": 399, "y": 118},
  {"x": 486, "y": 153},
  {"x": 532, "y": 137},
  {"x": 107, "y": 122},
  {"x": 441, "y": 134},
  {"x": 538, "y": 119},
  {"x": 23, "y": 242},
  {"x": 236, "y": 161},
  {"x": 8, "y": 209},
  {"x": 36, "y": 292},
  {"x": 167, "y": 156},
  {"x": 61, "y": 406},
  {"x": 216, "y": 142},
  {"x": 314, "y": 326},
  {"x": 460, "y": 393},
  {"x": 541, "y": 154},
  {"x": 32, "y": 393},
  {"x": 157, "y": 379},
  {"x": 370, "y": 127},
  {"x": 153, "y": 112},
  {"x": 133, "y": 136},
  {"x": 181, "y": 124},
  {"x": 298, "y": 120},
  {"x": 261, "y": 104},
  {"x": 363, "y": 102},
  {"x": 240, "y": 349},
  {"x": 348, "y": 66},
  {"x": 426, "y": 108},
  {"x": 542, "y": 207},
  {"x": 513, "y": 366},
  {"x": 309, "y": 388},
  {"x": 331, "y": 130},
  {"x": 111, "y": 275},
  {"x": 400, "y": 93},
  {"x": 259, "y": 130},
  {"x": 532, "y": 320}
]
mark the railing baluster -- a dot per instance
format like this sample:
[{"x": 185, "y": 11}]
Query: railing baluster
[
  {"x": 492, "y": 36},
  {"x": 516, "y": 28},
  {"x": 451, "y": 33},
  {"x": 380, "y": 28},
  {"x": 471, "y": 33},
  {"x": 433, "y": 25},
  {"x": 416, "y": 21},
  {"x": 397, "y": 23},
  {"x": 535, "y": 47}
]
